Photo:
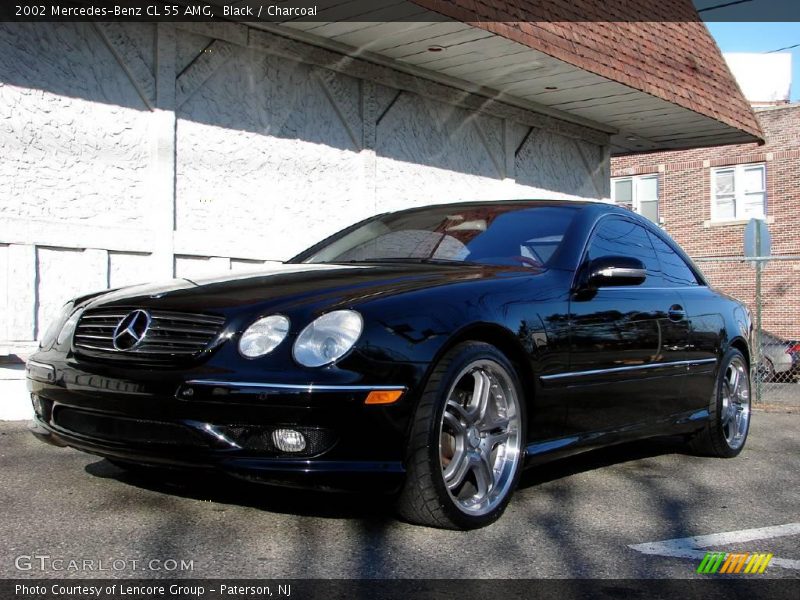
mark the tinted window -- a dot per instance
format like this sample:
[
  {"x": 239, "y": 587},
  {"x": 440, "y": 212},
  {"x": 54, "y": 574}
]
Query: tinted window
[
  {"x": 619, "y": 237},
  {"x": 489, "y": 234},
  {"x": 673, "y": 268}
]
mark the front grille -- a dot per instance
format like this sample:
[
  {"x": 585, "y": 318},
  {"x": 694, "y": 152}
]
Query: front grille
[
  {"x": 170, "y": 335},
  {"x": 124, "y": 429}
]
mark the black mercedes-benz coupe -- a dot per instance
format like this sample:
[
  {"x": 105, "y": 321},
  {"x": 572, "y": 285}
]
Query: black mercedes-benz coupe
[{"x": 435, "y": 351}]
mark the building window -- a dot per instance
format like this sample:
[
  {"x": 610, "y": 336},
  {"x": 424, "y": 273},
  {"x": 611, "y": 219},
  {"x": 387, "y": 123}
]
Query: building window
[
  {"x": 738, "y": 192},
  {"x": 639, "y": 194}
]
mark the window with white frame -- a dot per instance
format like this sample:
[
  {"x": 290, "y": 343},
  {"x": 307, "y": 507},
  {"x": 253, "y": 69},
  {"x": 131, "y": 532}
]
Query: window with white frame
[
  {"x": 639, "y": 194},
  {"x": 738, "y": 192}
]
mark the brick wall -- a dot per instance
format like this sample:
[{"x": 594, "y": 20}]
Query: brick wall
[{"x": 685, "y": 208}]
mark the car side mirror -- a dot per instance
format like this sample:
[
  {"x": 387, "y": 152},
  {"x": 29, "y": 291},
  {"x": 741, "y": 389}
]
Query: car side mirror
[{"x": 608, "y": 271}]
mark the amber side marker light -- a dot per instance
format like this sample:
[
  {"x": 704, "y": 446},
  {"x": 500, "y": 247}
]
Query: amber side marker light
[{"x": 383, "y": 397}]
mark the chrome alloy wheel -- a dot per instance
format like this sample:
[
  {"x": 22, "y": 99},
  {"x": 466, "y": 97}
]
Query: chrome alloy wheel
[
  {"x": 735, "y": 412},
  {"x": 479, "y": 437}
]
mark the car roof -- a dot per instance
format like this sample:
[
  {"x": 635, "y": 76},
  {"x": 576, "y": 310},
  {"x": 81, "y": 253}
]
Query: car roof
[{"x": 522, "y": 202}]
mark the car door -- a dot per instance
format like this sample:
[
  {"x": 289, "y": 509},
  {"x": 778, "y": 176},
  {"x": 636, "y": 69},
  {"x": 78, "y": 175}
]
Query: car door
[
  {"x": 627, "y": 342},
  {"x": 704, "y": 320}
]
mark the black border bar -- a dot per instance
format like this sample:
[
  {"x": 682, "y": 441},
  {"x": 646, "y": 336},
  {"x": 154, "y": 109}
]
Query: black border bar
[
  {"x": 278, "y": 11},
  {"x": 722, "y": 587}
]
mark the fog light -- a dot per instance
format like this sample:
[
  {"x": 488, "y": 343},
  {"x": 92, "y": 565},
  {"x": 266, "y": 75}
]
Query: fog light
[{"x": 289, "y": 440}]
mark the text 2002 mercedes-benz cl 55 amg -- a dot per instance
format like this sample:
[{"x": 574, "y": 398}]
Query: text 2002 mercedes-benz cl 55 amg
[{"x": 438, "y": 350}]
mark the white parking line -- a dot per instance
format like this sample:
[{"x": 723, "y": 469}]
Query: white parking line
[{"x": 690, "y": 547}]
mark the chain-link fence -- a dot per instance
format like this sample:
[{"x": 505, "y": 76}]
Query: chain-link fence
[{"x": 771, "y": 289}]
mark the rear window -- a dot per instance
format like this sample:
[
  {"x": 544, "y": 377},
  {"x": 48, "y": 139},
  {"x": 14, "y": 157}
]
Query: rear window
[{"x": 676, "y": 271}]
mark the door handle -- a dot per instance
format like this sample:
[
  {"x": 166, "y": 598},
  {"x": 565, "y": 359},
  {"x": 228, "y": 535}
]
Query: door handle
[{"x": 676, "y": 313}]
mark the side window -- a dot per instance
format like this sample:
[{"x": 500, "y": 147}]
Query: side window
[
  {"x": 619, "y": 237},
  {"x": 674, "y": 269}
]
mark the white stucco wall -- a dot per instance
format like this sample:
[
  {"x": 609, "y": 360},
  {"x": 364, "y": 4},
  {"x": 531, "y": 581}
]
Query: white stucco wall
[{"x": 226, "y": 155}]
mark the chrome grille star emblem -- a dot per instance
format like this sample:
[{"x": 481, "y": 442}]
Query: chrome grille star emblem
[{"x": 131, "y": 330}]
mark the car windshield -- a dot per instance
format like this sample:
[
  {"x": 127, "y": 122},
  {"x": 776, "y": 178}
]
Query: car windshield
[{"x": 484, "y": 234}]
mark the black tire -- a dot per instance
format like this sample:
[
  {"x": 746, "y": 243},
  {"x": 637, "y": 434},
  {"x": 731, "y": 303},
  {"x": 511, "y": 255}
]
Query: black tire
[
  {"x": 717, "y": 438},
  {"x": 425, "y": 498}
]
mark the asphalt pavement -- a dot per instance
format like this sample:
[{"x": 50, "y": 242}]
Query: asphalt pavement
[{"x": 575, "y": 518}]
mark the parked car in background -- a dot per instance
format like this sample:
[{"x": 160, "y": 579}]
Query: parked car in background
[
  {"x": 439, "y": 349},
  {"x": 780, "y": 359}
]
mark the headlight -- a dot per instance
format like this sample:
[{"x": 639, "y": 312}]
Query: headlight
[
  {"x": 46, "y": 341},
  {"x": 69, "y": 327},
  {"x": 328, "y": 338},
  {"x": 263, "y": 336}
]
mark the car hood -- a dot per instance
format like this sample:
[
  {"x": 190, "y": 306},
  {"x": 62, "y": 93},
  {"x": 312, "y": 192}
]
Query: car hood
[{"x": 295, "y": 285}]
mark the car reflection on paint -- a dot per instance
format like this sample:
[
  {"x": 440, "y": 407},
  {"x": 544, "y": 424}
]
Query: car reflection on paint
[{"x": 435, "y": 352}]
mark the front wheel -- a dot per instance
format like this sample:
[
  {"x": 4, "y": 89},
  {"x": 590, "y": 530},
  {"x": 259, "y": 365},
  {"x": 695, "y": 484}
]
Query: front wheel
[
  {"x": 467, "y": 441},
  {"x": 729, "y": 420}
]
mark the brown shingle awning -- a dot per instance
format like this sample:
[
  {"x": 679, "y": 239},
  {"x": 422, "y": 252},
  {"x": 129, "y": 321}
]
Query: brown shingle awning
[
  {"x": 646, "y": 72},
  {"x": 674, "y": 59}
]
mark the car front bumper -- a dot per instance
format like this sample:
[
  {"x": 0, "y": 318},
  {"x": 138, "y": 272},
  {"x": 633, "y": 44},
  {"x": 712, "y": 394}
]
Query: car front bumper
[{"x": 199, "y": 421}]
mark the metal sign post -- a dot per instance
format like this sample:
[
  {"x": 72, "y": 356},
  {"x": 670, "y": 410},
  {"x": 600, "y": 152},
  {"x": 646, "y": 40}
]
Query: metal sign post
[{"x": 757, "y": 245}]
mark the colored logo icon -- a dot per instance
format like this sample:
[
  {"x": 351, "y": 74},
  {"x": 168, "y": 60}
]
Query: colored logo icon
[{"x": 744, "y": 563}]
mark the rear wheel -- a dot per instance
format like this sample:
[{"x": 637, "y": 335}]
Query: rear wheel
[
  {"x": 467, "y": 441},
  {"x": 729, "y": 423}
]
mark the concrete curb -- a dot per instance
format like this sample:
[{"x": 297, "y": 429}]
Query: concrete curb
[{"x": 15, "y": 404}]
